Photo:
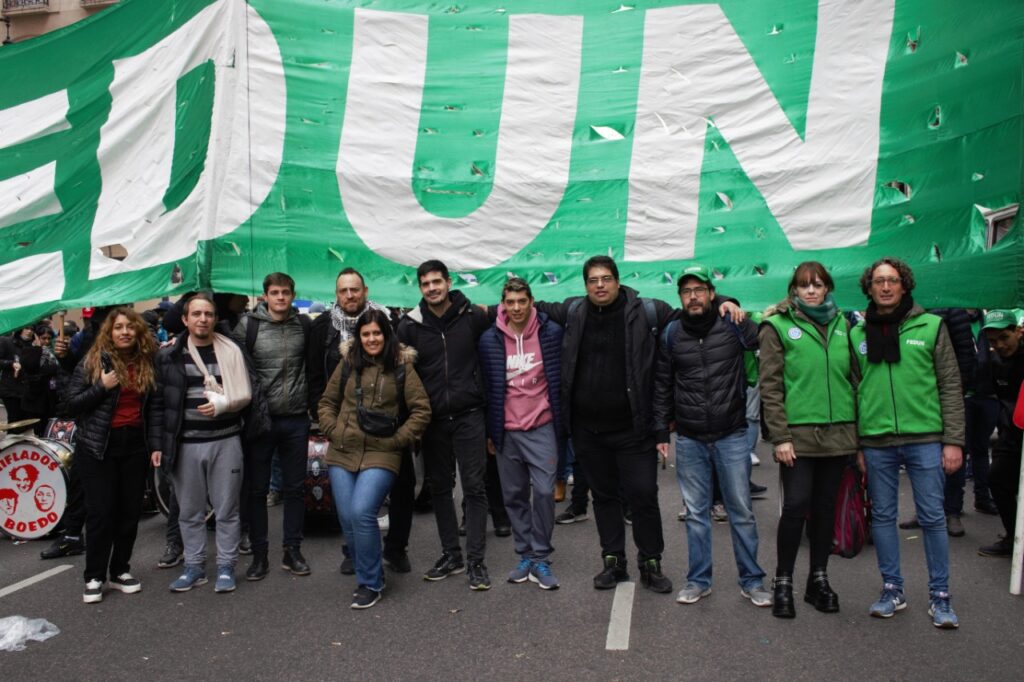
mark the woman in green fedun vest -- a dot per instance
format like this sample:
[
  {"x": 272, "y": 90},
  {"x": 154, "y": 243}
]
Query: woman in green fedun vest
[{"x": 807, "y": 393}]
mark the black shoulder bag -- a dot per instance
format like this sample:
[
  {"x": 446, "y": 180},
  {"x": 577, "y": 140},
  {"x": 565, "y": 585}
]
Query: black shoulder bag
[{"x": 377, "y": 423}]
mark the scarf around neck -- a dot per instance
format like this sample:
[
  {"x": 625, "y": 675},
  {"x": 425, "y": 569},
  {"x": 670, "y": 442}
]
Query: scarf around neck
[
  {"x": 699, "y": 326},
  {"x": 345, "y": 323},
  {"x": 822, "y": 314},
  {"x": 883, "y": 331}
]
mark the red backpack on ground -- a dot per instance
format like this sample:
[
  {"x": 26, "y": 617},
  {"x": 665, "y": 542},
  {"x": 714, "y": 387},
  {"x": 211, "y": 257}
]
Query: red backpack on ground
[{"x": 853, "y": 514}]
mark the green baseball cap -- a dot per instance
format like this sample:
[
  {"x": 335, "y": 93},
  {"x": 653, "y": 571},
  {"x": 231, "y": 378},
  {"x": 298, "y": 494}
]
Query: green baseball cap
[
  {"x": 697, "y": 270},
  {"x": 1000, "y": 319}
]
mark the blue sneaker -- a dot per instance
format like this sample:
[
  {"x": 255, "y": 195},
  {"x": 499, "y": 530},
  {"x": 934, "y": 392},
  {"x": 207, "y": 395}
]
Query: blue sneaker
[
  {"x": 941, "y": 612},
  {"x": 225, "y": 579},
  {"x": 192, "y": 576},
  {"x": 891, "y": 601},
  {"x": 541, "y": 574},
  {"x": 521, "y": 572}
]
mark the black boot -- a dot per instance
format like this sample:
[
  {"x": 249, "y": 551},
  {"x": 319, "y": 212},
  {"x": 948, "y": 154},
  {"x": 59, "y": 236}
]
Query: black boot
[
  {"x": 259, "y": 567},
  {"x": 614, "y": 573},
  {"x": 294, "y": 561},
  {"x": 782, "y": 597},
  {"x": 819, "y": 592}
]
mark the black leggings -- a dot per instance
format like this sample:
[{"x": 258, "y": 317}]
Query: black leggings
[{"x": 809, "y": 493}]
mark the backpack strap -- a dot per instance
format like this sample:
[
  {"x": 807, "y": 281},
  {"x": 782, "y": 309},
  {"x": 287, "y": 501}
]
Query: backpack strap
[
  {"x": 573, "y": 308},
  {"x": 666, "y": 337},
  {"x": 652, "y": 315},
  {"x": 736, "y": 330},
  {"x": 403, "y": 409},
  {"x": 252, "y": 328}
]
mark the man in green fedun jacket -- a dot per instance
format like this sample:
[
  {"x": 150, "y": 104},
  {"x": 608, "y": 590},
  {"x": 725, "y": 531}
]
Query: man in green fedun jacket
[{"x": 910, "y": 412}]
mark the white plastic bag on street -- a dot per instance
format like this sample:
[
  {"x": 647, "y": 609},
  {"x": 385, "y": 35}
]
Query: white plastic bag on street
[{"x": 16, "y": 630}]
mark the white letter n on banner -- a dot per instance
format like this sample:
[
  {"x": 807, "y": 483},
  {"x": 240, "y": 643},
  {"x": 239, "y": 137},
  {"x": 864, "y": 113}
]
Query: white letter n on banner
[
  {"x": 696, "y": 69},
  {"x": 378, "y": 140}
]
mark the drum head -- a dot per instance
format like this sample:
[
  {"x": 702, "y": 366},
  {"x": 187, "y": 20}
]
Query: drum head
[{"x": 33, "y": 487}]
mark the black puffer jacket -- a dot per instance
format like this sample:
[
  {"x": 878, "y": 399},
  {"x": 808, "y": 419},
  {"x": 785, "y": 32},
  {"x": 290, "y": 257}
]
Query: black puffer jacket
[
  {"x": 92, "y": 407},
  {"x": 702, "y": 383},
  {"x": 447, "y": 360},
  {"x": 958, "y": 324},
  {"x": 167, "y": 405},
  {"x": 641, "y": 347}
]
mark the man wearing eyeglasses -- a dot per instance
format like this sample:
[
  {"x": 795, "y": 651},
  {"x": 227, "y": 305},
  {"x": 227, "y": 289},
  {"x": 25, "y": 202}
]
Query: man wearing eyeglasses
[
  {"x": 608, "y": 352},
  {"x": 910, "y": 412},
  {"x": 701, "y": 387}
]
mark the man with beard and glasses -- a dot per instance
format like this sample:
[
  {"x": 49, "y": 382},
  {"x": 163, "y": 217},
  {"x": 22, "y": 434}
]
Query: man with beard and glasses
[{"x": 701, "y": 387}]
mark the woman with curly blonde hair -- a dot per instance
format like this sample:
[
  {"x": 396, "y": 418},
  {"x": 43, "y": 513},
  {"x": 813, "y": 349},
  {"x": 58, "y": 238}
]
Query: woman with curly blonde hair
[{"x": 108, "y": 397}]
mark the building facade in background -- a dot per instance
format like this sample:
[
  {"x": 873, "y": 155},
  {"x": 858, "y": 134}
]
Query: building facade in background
[{"x": 24, "y": 19}]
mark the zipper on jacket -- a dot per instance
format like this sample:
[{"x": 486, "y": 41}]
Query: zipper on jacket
[
  {"x": 447, "y": 395},
  {"x": 704, "y": 373},
  {"x": 828, "y": 378},
  {"x": 892, "y": 394}
]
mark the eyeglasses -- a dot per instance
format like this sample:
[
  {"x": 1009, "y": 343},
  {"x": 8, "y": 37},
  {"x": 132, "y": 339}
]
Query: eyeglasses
[
  {"x": 881, "y": 281},
  {"x": 694, "y": 291},
  {"x": 603, "y": 279}
]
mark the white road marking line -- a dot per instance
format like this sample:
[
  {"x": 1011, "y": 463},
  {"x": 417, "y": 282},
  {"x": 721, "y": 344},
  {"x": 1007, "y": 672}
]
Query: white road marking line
[
  {"x": 37, "y": 578},
  {"x": 621, "y": 617}
]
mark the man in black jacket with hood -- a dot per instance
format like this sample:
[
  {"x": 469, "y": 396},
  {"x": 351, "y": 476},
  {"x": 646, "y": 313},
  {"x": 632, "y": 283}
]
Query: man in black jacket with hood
[{"x": 444, "y": 328}]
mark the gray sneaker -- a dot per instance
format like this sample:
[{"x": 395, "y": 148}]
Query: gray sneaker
[
  {"x": 757, "y": 595},
  {"x": 541, "y": 574},
  {"x": 521, "y": 572},
  {"x": 692, "y": 593},
  {"x": 192, "y": 576},
  {"x": 225, "y": 579},
  {"x": 718, "y": 513}
]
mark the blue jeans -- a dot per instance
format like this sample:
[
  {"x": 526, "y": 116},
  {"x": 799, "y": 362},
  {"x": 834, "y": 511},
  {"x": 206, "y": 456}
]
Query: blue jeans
[
  {"x": 357, "y": 497},
  {"x": 924, "y": 468},
  {"x": 730, "y": 458}
]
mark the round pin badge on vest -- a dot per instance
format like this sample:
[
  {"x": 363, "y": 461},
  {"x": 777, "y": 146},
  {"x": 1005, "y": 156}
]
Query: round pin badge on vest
[
  {"x": 795, "y": 333},
  {"x": 863, "y": 348}
]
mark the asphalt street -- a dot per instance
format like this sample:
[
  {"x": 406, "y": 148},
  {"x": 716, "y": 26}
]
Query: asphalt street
[{"x": 289, "y": 627}]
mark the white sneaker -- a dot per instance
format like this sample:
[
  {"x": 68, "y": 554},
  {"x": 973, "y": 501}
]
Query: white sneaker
[
  {"x": 754, "y": 459},
  {"x": 93, "y": 592}
]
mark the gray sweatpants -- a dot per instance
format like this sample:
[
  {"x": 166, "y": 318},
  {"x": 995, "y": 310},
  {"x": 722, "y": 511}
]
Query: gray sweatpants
[
  {"x": 529, "y": 459},
  {"x": 211, "y": 470}
]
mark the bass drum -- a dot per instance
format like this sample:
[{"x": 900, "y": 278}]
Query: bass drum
[
  {"x": 318, "y": 497},
  {"x": 33, "y": 485}
]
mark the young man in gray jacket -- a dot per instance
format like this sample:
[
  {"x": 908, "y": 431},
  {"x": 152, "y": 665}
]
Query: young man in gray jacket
[{"x": 275, "y": 336}]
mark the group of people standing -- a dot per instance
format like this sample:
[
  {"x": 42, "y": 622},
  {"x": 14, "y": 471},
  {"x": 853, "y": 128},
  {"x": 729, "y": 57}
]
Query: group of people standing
[{"x": 612, "y": 372}]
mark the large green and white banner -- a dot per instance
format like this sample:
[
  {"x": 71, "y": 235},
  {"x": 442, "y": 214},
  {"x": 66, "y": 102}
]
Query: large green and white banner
[{"x": 166, "y": 145}]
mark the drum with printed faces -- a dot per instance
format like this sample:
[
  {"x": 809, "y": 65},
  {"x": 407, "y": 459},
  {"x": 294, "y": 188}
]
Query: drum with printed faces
[{"x": 33, "y": 484}]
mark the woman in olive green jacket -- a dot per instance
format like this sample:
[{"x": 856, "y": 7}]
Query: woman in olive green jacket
[
  {"x": 807, "y": 376},
  {"x": 369, "y": 423}
]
